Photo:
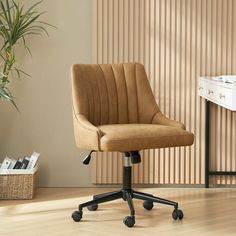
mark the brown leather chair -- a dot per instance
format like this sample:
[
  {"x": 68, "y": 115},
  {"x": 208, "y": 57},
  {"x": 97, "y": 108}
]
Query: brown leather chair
[{"x": 114, "y": 110}]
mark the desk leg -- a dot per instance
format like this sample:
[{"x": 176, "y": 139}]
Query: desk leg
[{"x": 207, "y": 143}]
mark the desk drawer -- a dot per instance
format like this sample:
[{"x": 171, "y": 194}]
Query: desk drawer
[{"x": 218, "y": 93}]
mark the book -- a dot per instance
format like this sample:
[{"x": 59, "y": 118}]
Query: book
[
  {"x": 18, "y": 164},
  {"x": 25, "y": 163},
  {"x": 33, "y": 160},
  {"x": 13, "y": 162},
  {"x": 6, "y": 163}
]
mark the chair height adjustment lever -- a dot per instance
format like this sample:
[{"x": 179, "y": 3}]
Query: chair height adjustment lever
[{"x": 87, "y": 159}]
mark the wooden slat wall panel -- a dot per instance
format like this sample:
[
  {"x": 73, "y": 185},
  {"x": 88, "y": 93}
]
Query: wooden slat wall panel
[{"x": 177, "y": 41}]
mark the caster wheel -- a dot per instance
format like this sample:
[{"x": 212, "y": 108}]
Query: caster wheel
[
  {"x": 177, "y": 214},
  {"x": 129, "y": 221},
  {"x": 93, "y": 207},
  {"x": 77, "y": 216},
  {"x": 148, "y": 205}
]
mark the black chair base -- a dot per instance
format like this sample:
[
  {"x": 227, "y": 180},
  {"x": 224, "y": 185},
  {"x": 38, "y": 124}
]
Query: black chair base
[{"x": 127, "y": 194}]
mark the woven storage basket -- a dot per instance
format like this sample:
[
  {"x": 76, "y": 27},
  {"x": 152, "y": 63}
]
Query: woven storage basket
[{"x": 18, "y": 184}]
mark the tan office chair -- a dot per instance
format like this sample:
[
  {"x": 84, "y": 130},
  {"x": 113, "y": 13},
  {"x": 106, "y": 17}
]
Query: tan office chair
[{"x": 114, "y": 110}]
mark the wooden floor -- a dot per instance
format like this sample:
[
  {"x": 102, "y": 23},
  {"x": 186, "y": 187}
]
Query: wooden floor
[{"x": 207, "y": 212}]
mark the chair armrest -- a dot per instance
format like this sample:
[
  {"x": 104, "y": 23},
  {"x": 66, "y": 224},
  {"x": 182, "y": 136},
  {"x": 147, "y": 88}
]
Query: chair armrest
[
  {"x": 82, "y": 120},
  {"x": 161, "y": 119},
  {"x": 87, "y": 135}
]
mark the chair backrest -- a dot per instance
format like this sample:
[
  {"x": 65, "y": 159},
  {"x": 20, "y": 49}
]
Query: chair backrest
[{"x": 113, "y": 93}]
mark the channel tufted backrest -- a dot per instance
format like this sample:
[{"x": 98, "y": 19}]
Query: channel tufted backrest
[{"x": 113, "y": 93}]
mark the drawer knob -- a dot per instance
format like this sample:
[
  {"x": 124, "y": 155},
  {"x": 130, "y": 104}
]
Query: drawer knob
[
  {"x": 210, "y": 91},
  {"x": 200, "y": 88},
  {"x": 222, "y": 96}
]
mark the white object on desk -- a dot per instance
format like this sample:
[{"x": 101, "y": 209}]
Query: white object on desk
[
  {"x": 220, "y": 90},
  {"x": 228, "y": 78}
]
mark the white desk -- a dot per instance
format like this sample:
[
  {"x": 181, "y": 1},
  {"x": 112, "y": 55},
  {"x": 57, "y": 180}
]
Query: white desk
[{"x": 222, "y": 94}]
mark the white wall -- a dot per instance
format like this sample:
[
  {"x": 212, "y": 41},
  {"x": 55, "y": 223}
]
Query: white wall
[{"x": 45, "y": 122}]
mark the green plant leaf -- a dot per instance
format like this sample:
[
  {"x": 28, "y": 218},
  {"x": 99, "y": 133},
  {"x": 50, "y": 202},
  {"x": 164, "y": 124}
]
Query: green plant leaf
[{"x": 16, "y": 24}]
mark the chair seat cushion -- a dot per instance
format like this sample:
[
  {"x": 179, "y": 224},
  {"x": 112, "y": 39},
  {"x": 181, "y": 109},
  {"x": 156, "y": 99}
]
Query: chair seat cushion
[{"x": 130, "y": 137}]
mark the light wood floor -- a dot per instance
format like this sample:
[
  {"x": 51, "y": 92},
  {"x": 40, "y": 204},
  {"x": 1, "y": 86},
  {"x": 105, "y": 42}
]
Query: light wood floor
[{"x": 207, "y": 212}]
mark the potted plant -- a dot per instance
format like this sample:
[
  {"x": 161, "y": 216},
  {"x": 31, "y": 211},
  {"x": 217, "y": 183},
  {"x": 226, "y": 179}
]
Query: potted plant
[{"x": 16, "y": 24}]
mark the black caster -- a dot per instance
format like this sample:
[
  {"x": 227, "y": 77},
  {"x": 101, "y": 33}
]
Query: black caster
[
  {"x": 129, "y": 221},
  {"x": 148, "y": 205},
  {"x": 77, "y": 216},
  {"x": 93, "y": 207},
  {"x": 177, "y": 214}
]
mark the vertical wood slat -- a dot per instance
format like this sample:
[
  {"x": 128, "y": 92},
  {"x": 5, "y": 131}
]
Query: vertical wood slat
[{"x": 177, "y": 41}]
